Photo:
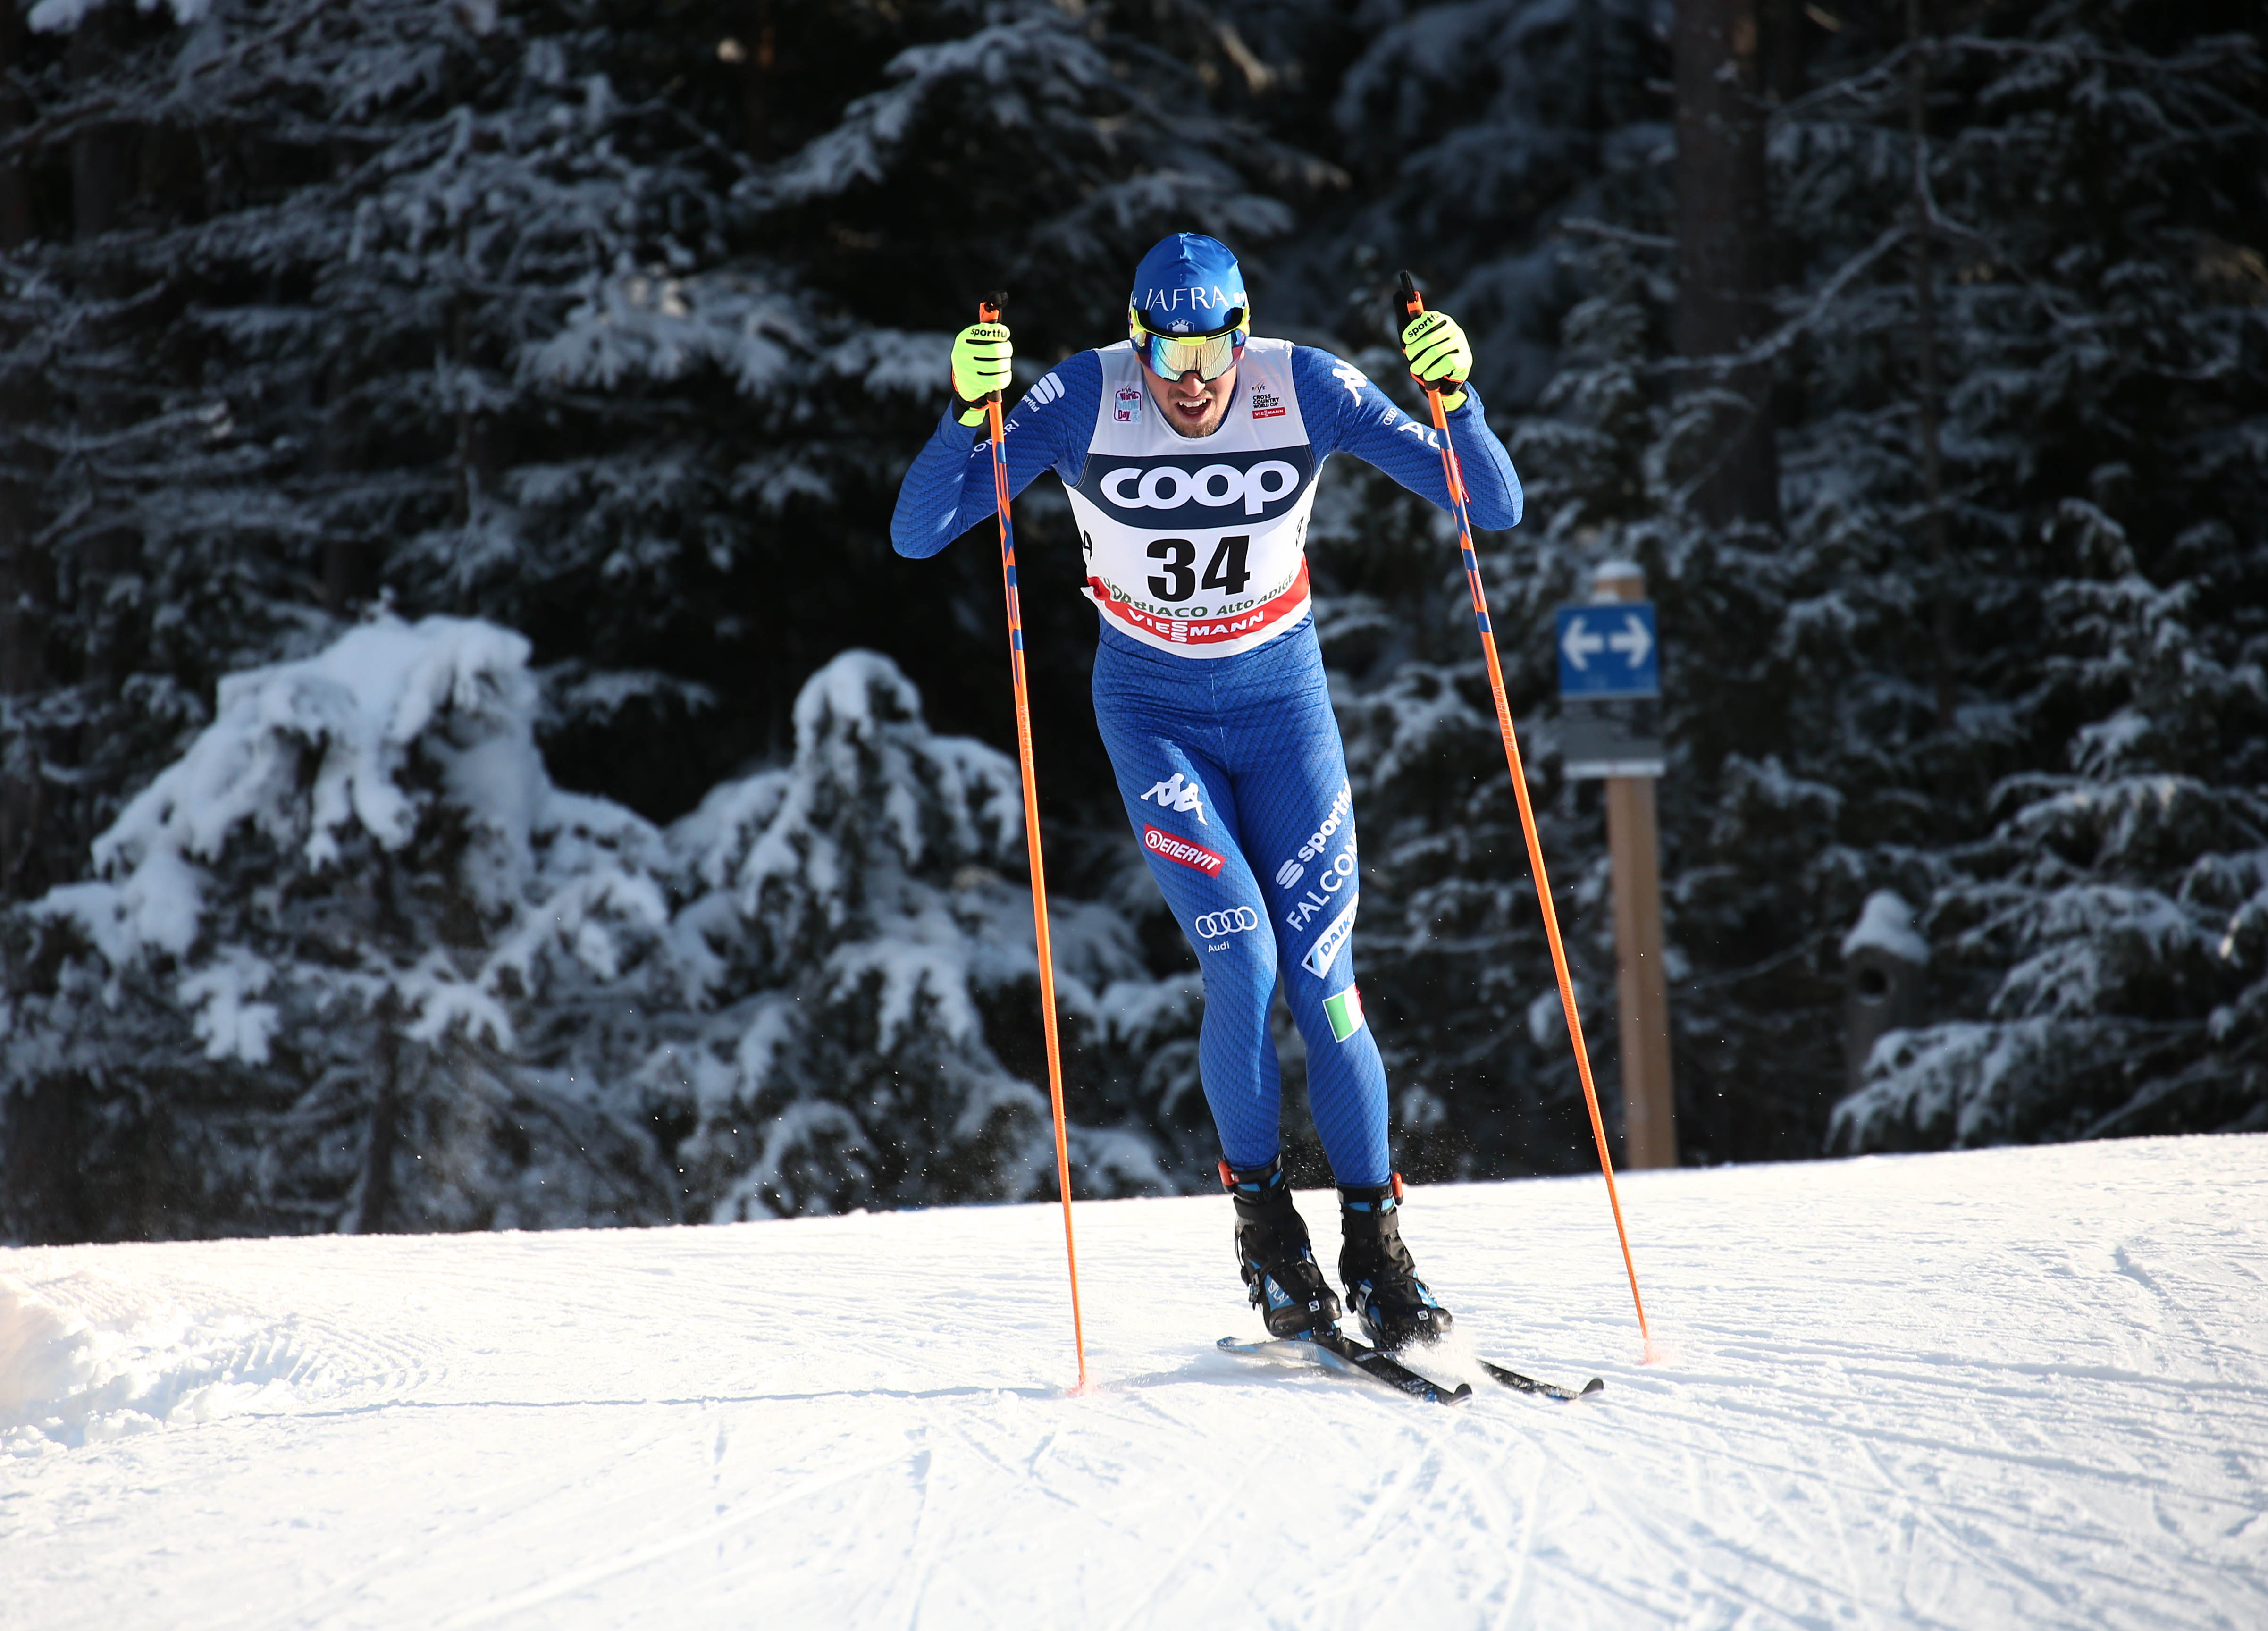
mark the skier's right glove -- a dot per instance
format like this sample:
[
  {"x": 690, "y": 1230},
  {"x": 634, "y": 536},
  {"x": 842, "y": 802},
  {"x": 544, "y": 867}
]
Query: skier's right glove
[
  {"x": 983, "y": 362},
  {"x": 1439, "y": 356}
]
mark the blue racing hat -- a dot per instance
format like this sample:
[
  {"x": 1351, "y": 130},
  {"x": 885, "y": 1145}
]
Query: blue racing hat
[{"x": 1189, "y": 283}]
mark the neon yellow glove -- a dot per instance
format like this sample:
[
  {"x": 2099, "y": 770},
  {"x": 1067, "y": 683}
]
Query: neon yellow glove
[
  {"x": 983, "y": 362},
  {"x": 1440, "y": 357}
]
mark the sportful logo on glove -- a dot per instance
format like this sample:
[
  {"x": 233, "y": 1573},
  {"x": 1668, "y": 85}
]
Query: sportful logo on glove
[
  {"x": 1329, "y": 943},
  {"x": 1177, "y": 792},
  {"x": 1344, "y": 1012},
  {"x": 1235, "y": 920},
  {"x": 1196, "y": 856}
]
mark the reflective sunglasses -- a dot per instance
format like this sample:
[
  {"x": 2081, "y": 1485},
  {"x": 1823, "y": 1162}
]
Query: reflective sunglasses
[{"x": 1170, "y": 356}]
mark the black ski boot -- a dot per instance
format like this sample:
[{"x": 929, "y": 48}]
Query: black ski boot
[
  {"x": 1382, "y": 1278},
  {"x": 1279, "y": 1266}
]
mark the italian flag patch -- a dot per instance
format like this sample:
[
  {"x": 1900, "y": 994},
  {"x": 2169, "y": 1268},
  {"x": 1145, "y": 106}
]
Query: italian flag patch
[{"x": 1344, "y": 1012}]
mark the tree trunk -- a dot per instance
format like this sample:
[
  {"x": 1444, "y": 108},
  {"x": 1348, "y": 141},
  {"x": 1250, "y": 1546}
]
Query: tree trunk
[
  {"x": 759, "y": 53},
  {"x": 16, "y": 221},
  {"x": 376, "y": 1191},
  {"x": 23, "y": 641},
  {"x": 102, "y": 158},
  {"x": 23, "y": 670},
  {"x": 1725, "y": 247},
  {"x": 1925, "y": 384}
]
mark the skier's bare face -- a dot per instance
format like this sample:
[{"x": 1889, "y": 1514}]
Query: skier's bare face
[{"x": 1192, "y": 406}]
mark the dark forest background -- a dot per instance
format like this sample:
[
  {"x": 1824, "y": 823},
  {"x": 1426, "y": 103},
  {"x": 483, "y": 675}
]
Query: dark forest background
[{"x": 469, "y": 756}]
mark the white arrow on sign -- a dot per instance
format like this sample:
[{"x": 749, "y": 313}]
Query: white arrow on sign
[
  {"x": 1634, "y": 639},
  {"x": 1580, "y": 645}
]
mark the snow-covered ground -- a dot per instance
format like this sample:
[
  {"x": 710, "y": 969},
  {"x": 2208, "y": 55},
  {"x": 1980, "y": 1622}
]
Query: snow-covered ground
[{"x": 2011, "y": 1388}]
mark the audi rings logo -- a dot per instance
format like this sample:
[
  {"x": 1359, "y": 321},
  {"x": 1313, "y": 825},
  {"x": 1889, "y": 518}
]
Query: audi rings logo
[
  {"x": 1216, "y": 486},
  {"x": 1233, "y": 921}
]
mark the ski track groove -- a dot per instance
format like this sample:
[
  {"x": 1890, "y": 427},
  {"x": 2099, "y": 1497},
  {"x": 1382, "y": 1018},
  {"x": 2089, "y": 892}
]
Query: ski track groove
[{"x": 2007, "y": 1387}]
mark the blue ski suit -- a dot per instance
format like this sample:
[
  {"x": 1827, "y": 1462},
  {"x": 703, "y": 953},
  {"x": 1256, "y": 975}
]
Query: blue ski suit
[{"x": 1208, "y": 685}]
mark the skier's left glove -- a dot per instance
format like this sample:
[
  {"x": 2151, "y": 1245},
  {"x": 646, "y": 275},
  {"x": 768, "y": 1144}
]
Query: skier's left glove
[
  {"x": 1440, "y": 357},
  {"x": 983, "y": 362}
]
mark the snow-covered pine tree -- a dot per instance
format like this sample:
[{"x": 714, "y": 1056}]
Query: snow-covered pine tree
[
  {"x": 2041, "y": 725},
  {"x": 477, "y": 326},
  {"x": 354, "y": 962},
  {"x": 349, "y": 963},
  {"x": 299, "y": 371},
  {"x": 860, "y": 1015}
]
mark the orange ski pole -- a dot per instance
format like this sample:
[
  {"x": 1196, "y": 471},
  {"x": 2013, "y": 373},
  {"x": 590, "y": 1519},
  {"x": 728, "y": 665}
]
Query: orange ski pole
[
  {"x": 988, "y": 312},
  {"x": 1413, "y": 304}
]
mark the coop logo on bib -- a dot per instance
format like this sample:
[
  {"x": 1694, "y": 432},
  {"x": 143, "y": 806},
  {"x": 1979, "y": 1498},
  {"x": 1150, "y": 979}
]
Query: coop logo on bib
[{"x": 1186, "y": 491}]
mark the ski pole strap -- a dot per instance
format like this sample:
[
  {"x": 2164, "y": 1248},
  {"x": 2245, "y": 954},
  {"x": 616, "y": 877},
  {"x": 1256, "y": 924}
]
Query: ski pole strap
[{"x": 988, "y": 311}]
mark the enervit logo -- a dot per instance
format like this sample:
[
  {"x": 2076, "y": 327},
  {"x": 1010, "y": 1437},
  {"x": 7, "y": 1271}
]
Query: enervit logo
[
  {"x": 1289, "y": 874},
  {"x": 1233, "y": 921},
  {"x": 1216, "y": 486},
  {"x": 1159, "y": 842}
]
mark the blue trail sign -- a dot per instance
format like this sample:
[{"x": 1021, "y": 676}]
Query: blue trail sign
[
  {"x": 1610, "y": 690},
  {"x": 1609, "y": 650}
]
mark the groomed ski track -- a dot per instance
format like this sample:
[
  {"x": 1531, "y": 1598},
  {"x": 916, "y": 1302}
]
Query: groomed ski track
[{"x": 2005, "y": 1388}]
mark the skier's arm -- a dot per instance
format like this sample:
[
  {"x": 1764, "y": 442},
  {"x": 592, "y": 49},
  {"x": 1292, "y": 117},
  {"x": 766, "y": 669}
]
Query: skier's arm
[
  {"x": 1346, "y": 412},
  {"x": 949, "y": 489}
]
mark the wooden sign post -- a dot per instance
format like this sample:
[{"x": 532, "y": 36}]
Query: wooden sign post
[{"x": 1611, "y": 693}]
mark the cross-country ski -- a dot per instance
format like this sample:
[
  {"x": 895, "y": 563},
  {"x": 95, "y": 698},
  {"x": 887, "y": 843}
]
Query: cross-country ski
[{"x": 1349, "y": 1357}]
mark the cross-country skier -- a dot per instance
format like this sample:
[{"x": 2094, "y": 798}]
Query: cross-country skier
[{"x": 1190, "y": 450}]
